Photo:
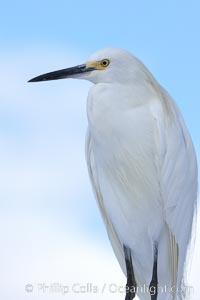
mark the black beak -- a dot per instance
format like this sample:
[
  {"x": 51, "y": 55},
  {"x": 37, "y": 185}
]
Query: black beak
[{"x": 64, "y": 73}]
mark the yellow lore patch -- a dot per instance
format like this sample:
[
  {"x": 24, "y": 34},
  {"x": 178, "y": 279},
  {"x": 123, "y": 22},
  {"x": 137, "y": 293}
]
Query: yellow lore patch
[{"x": 98, "y": 65}]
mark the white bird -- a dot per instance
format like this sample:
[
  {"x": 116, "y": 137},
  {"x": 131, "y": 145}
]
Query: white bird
[{"x": 143, "y": 170}]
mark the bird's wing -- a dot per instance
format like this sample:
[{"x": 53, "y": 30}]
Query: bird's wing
[
  {"x": 114, "y": 239},
  {"x": 178, "y": 181},
  {"x": 177, "y": 178}
]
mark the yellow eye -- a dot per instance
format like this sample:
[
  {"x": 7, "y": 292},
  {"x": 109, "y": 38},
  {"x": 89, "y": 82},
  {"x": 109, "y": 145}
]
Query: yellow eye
[{"x": 105, "y": 63}]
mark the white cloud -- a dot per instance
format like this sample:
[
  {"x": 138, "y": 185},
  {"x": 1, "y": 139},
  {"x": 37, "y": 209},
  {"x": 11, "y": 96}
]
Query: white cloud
[
  {"x": 42, "y": 131},
  {"x": 35, "y": 252}
]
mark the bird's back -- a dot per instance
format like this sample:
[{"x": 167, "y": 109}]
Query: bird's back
[{"x": 143, "y": 169}]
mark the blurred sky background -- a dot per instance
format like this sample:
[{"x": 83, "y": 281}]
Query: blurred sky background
[{"x": 50, "y": 227}]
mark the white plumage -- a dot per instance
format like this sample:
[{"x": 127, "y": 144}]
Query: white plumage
[
  {"x": 143, "y": 169},
  {"x": 142, "y": 166}
]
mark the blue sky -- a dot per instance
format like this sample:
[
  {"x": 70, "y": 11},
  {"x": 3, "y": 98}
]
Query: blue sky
[
  {"x": 47, "y": 206},
  {"x": 163, "y": 35}
]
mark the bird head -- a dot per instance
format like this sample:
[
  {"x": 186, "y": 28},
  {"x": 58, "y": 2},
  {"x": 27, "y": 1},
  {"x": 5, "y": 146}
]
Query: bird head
[{"x": 108, "y": 65}]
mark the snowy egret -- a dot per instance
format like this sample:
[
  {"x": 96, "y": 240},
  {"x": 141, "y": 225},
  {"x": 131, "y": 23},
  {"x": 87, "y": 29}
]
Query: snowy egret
[{"x": 143, "y": 170}]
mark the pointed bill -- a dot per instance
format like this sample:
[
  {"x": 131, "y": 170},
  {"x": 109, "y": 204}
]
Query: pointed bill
[{"x": 64, "y": 73}]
